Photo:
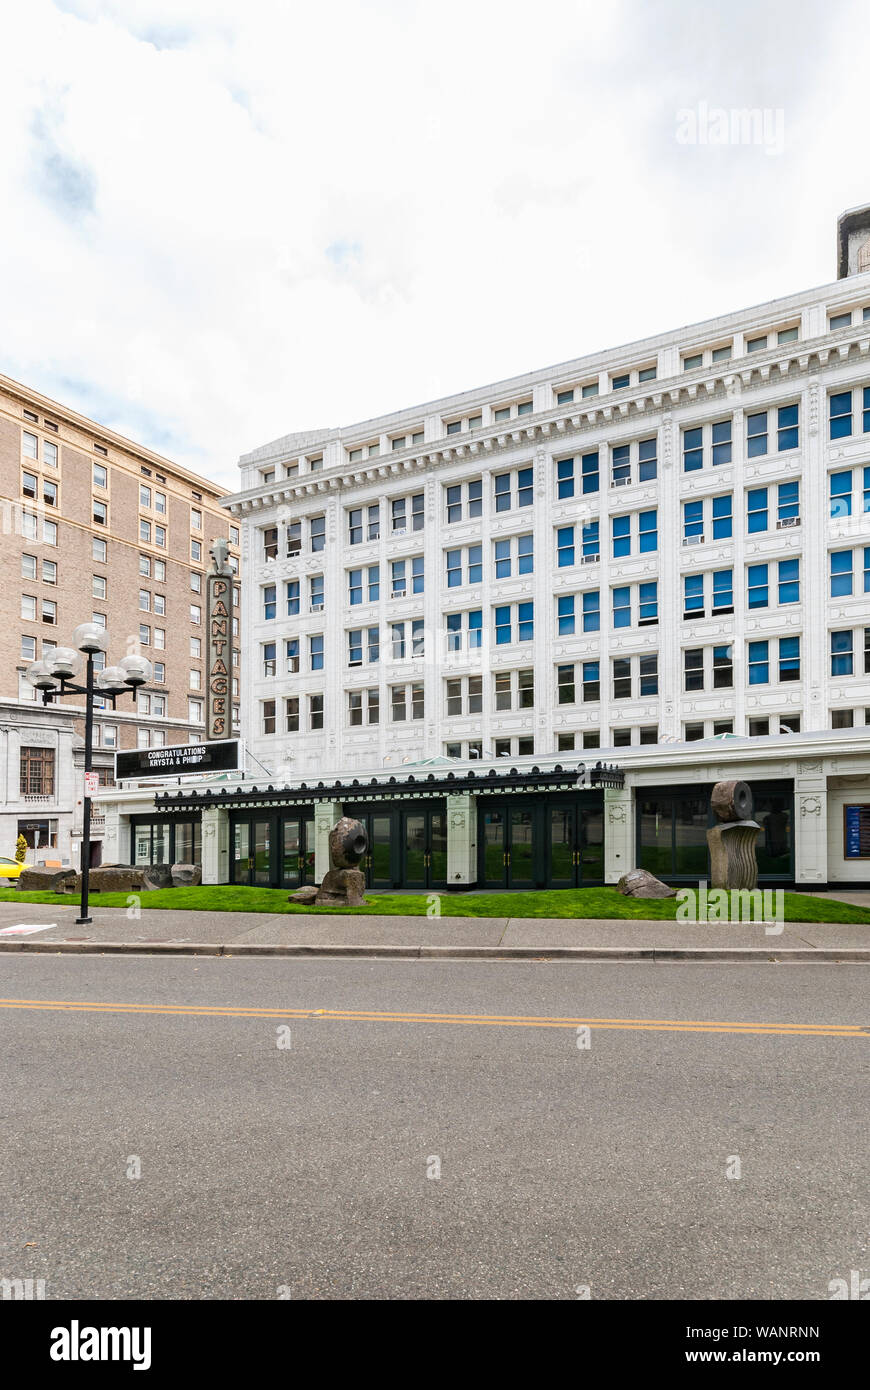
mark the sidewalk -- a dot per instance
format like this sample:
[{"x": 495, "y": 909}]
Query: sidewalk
[{"x": 258, "y": 933}]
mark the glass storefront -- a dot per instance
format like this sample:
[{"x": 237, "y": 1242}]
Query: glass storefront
[
  {"x": 165, "y": 841},
  {"x": 672, "y": 831}
]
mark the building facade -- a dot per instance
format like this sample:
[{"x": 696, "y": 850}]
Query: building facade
[
  {"x": 656, "y": 556},
  {"x": 95, "y": 528}
]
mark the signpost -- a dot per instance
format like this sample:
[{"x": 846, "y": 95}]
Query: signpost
[
  {"x": 219, "y": 607},
  {"x": 136, "y": 764}
]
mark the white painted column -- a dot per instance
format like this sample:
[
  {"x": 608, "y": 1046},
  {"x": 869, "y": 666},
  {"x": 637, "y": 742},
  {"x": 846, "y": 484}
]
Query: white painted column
[
  {"x": 461, "y": 840},
  {"x": 215, "y": 845},
  {"x": 326, "y": 813},
  {"x": 619, "y": 837},
  {"x": 114, "y": 834},
  {"x": 811, "y": 827}
]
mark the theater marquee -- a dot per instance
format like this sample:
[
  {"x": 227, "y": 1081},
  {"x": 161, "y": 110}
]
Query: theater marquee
[{"x": 219, "y": 607}]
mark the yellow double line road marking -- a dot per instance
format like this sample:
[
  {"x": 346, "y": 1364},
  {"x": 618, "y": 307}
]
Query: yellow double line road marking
[{"x": 644, "y": 1025}]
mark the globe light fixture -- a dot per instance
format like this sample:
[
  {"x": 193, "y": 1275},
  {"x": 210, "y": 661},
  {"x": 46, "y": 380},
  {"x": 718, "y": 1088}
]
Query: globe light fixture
[
  {"x": 91, "y": 638},
  {"x": 136, "y": 670},
  {"x": 112, "y": 680},
  {"x": 64, "y": 662},
  {"x": 40, "y": 676}
]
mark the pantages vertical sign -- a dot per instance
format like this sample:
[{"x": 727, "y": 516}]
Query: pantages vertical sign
[{"x": 219, "y": 607}]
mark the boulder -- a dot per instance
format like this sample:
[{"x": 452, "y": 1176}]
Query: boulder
[
  {"x": 157, "y": 876},
  {"x": 306, "y": 896},
  {"x": 640, "y": 883},
  {"x": 120, "y": 878},
  {"x": 186, "y": 875},
  {"x": 38, "y": 879}
]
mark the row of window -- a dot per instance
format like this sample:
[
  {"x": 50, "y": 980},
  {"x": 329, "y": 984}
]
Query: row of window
[{"x": 579, "y": 476}]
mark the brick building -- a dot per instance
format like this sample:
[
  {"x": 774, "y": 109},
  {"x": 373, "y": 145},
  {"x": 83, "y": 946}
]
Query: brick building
[{"x": 94, "y": 528}]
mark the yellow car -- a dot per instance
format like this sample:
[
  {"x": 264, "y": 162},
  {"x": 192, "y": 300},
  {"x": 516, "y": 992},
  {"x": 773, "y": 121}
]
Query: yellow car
[{"x": 10, "y": 868}]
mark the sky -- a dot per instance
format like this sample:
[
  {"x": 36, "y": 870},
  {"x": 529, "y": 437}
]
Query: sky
[{"x": 224, "y": 222}]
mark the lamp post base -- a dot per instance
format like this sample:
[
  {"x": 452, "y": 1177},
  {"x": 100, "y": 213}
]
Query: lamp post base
[{"x": 84, "y": 921}]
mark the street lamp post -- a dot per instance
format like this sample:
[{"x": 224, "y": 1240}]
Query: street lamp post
[{"x": 53, "y": 676}]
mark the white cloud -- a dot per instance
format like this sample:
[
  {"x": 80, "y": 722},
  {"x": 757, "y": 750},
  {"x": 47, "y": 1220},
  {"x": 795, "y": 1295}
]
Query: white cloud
[{"x": 223, "y": 223}]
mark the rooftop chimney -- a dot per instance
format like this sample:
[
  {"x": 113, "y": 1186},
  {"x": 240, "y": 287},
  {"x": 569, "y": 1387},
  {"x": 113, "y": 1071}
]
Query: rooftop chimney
[{"x": 853, "y": 242}]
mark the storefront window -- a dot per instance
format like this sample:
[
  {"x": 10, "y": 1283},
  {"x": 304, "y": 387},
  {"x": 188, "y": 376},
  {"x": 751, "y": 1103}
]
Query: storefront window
[{"x": 672, "y": 832}]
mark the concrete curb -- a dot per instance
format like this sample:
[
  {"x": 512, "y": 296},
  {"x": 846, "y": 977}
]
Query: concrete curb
[{"x": 747, "y": 955}]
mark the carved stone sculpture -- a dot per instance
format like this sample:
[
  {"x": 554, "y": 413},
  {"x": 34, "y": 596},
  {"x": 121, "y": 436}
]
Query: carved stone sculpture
[
  {"x": 344, "y": 884},
  {"x": 732, "y": 841}
]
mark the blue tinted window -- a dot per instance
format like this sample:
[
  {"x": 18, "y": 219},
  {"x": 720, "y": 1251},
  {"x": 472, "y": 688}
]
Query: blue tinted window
[
  {"x": 722, "y": 520},
  {"x": 841, "y": 493},
  {"x": 622, "y": 606},
  {"x": 759, "y": 668},
  {"x": 757, "y": 586},
  {"x": 622, "y": 535},
  {"x": 590, "y": 472},
  {"x": 789, "y": 581},
  {"x": 723, "y": 590},
  {"x": 591, "y": 612},
  {"x": 693, "y": 594},
  {"x": 648, "y": 601},
  {"x": 721, "y": 442},
  {"x": 693, "y": 519},
  {"x": 565, "y": 614},
  {"x": 526, "y": 621},
  {"x": 565, "y": 478},
  {"x": 756, "y": 434},
  {"x": 502, "y": 559},
  {"x": 590, "y": 538},
  {"x": 647, "y": 526},
  {"x": 787, "y": 434},
  {"x": 789, "y": 658},
  {"x": 841, "y": 573},
  {"x": 693, "y": 453},
  {"x": 525, "y": 554},
  {"x": 565, "y": 546},
  {"x": 840, "y": 411},
  {"x": 756, "y": 509},
  {"x": 841, "y": 653}
]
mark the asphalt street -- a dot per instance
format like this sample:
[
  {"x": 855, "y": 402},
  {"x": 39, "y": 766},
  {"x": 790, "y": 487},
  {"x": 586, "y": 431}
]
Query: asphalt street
[{"x": 301, "y": 1130}]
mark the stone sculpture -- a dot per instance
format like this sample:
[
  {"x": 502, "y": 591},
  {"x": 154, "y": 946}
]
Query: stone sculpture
[
  {"x": 344, "y": 883},
  {"x": 732, "y": 841}
]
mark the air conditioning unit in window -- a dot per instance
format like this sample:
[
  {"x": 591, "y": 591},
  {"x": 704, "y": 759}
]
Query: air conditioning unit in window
[
  {"x": 399, "y": 593},
  {"x": 589, "y": 559},
  {"x": 693, "y": 540},
  {"x": 621, "y": 482},
  {"x": 317, "y": 607},
  {"x": 788, "y": 521}
]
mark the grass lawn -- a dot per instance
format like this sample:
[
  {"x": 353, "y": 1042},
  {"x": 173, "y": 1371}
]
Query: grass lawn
[{"x": 568, "y": 902}]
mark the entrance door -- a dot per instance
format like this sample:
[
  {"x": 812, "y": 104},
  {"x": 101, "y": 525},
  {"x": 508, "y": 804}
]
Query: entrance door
[
  {"x": 424, "y": 844},
  {"x": 262, "y": 843},
  {"x": 540, "y": 844},
  {"x": 293, "y": 853},
  {"x": 241, "y": 852},
  {"x": 563, "y": 847},
  {"x": 493, "y": 848},
  {"x": 377, "y": 863}
]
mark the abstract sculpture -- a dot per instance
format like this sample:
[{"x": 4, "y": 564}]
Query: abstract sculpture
[
  {"x": 732, "y": 840},
  {"x": 344, "y": 884}
]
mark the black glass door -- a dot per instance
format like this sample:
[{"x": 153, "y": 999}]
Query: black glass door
[{"x": 424, "y": 846}]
